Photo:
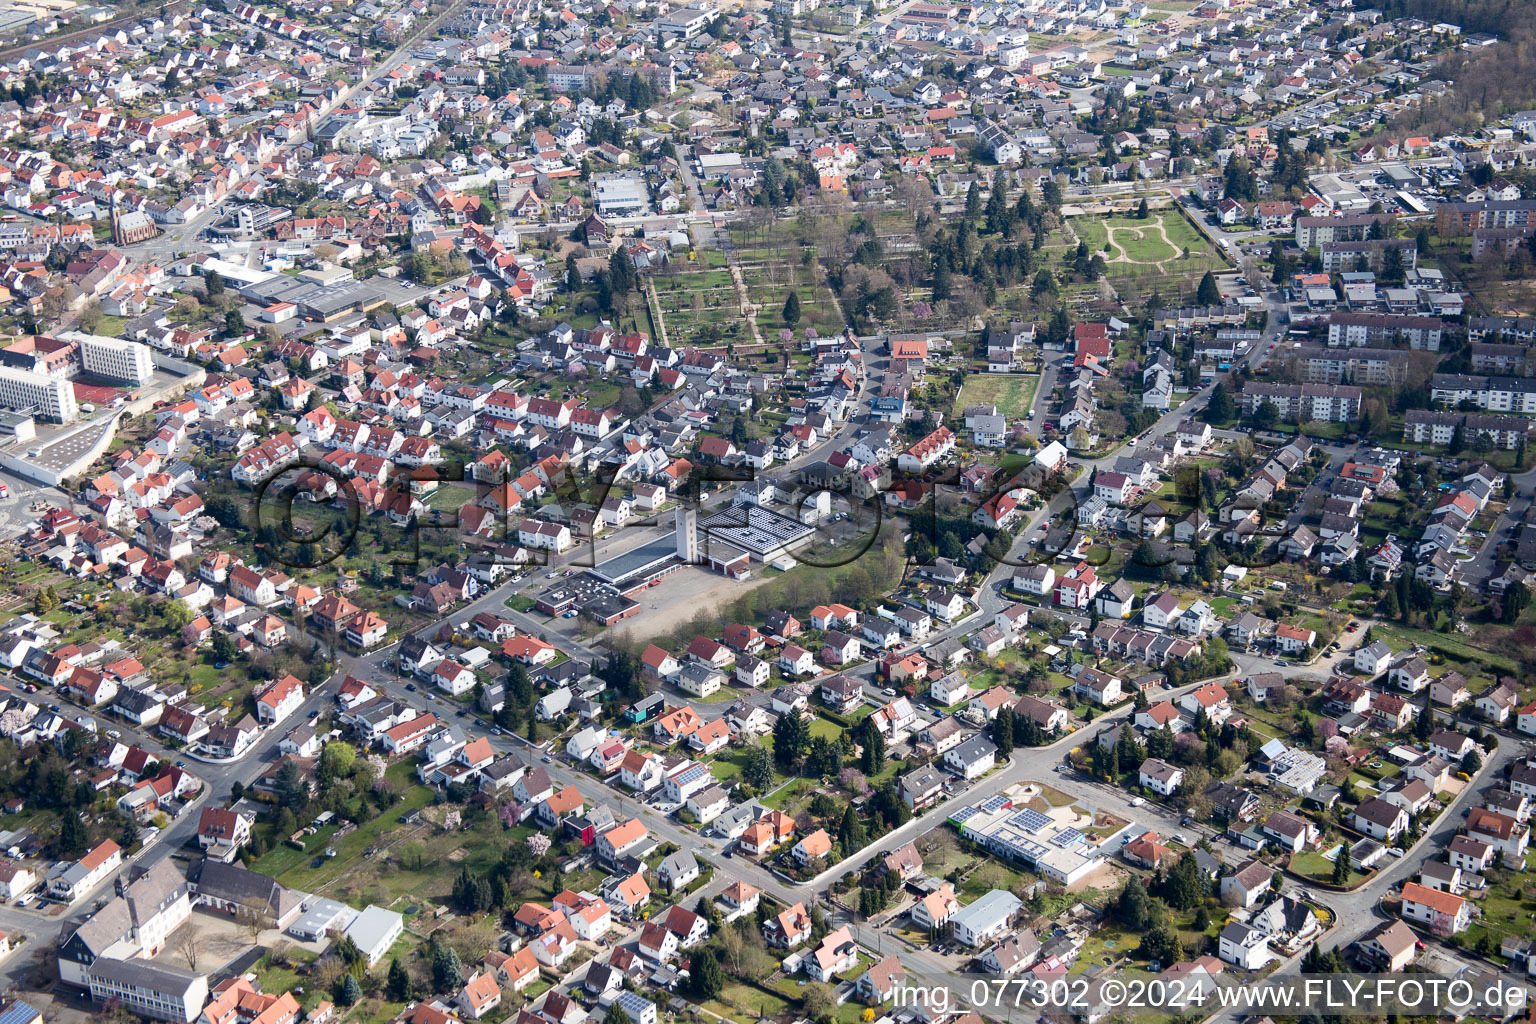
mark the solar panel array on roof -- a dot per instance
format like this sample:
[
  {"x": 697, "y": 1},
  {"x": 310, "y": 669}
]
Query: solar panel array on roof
[
  {"x": 1030, "y": 820},
  {"x": 964, "y": 814},
  {"x": 19, "y": 1013},
  {"x": 752, "y": 528},
  {"x": 994, "y": 803},
  {"x": 1067, "y": 837}
]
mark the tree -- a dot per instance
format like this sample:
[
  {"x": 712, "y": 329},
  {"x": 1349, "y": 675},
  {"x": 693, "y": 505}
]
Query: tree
[
  {"x": 73, "y": 838},
  {"x": 850, "y": 833},
  {"x": 817, "y": 1000},
  {"x": 225, "y": 510},
  {"x": 351, "y": 991},
  {"x": 1341, "y": 867},
  {"x": 336, "y": 760},
  {"x": 1002, "y": 732},
  {"x": 289, "y": 786},
  {"x": 1161, "y": 943},
  {"x": 420, "y": 267},
  {"x": 615, "y": 1015},
  {"x": 1133, "y": 905},
  {"x": 706, "y": 977},
  {"x": 447, "y": 971},
  {"x": 873, "y": 759},
  {"x": 399, "y": 987},
  {"x": 254, "y": 917},
  {"x": 1472, "y": 762},
  {"x": 1208, "y": 293},
  {"x": 790, "y": 738},
  {"x": 1220, "y": 408},
  {"x": 942, "y": 285},
  {"x": 1513, "y": 602},
  {"x": 213, "y": 283},
  {"x": 176, "y": 615},
  {"x": 757, "y": 770},
  {"x": 822, "y": 757},
  {"x": 223, "y": 647},
  {"x": 792, "y": 308},
  {"x": 1141, "y": 209},
  {"x": 234, "y": 323},
  {"x": 189, "y": 943},
  {"x": 973, "y": 201}
]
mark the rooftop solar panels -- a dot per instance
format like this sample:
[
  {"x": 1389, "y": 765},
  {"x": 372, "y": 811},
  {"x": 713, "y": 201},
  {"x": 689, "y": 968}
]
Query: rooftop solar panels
[
  {"x": 1067, "y": 837},
  {"x": 754, "y": 529},
  {"x": 964, "y": 814},
  {"x": 994, "y": 803},
  {"x": 1030, "y": 820}
]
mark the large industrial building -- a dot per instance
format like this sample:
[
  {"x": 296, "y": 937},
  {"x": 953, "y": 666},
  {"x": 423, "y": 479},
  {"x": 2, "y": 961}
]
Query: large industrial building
[
  {"x": 755, "y": 530},
  {"x": 620, "y": 195},
  {"x": 605, "y": 593}
]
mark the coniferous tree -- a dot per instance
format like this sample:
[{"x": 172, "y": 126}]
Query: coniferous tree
[
  {"x": 1002, "y": 732},
  {"x": 399, "y": 985},
  {"x": 1208, "y": 293},
  {"x": 447, "y": 971}
]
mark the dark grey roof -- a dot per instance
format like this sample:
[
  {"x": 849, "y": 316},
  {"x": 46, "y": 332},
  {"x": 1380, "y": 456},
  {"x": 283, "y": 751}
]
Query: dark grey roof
[{"x": 147, "y": 974}]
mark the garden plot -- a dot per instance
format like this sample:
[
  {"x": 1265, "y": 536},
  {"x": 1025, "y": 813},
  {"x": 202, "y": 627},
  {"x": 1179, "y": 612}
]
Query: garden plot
[
  {"x": 769, "y": 281},
  {"x": 700, "y": 305}
]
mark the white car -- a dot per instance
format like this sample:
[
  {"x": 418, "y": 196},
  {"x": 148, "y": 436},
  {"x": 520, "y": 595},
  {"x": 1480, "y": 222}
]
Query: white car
[
  {"x": 888, "y": 692},
  {"x": 1137, "y": 801}
]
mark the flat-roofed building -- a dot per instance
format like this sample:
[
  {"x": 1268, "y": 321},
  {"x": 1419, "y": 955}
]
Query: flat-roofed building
[
  {"x": 154, "y": 990},
  {"x": 44, "y": 397},
  {"x": 115, "y": 359}
]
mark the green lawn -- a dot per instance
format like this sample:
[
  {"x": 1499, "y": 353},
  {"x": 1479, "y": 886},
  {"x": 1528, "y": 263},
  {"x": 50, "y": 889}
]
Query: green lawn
[
  {"x": 351, "y": 847},
  {"x": 991, "y": 875},
  {"x": 111, "y": 326},
  {"x": 787, "y": 794},
  {"x": 1013, "y": 394},
  {"x": 1314, "y": 865},
  {"x": 822, "y": 727},
  {"x": 1399, "y": 637}
]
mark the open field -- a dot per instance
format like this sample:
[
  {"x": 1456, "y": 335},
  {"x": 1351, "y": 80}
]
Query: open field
[{"x": 1012, "y": 394}]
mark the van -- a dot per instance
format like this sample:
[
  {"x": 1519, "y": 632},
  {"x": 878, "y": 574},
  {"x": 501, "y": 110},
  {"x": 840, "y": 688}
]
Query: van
[{"x": 1277, "y": 585}]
